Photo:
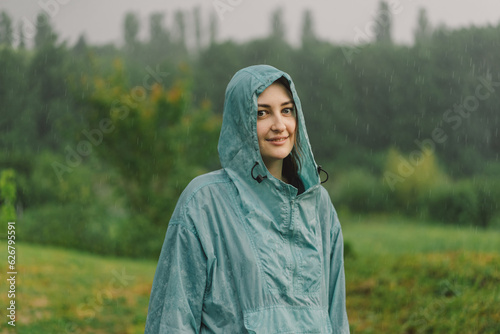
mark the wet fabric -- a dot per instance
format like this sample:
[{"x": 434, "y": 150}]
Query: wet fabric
[{"x": 246, "y": 257}]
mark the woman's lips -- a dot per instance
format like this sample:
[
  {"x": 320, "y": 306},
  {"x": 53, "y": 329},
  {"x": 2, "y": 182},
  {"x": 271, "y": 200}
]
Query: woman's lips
[{"x": 277, "y": 140}]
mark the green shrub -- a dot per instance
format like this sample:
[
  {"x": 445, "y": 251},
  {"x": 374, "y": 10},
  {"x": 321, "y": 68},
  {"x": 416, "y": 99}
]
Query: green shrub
[
  {"x": 361, "y": 192},
  {"x": 455, "y": 203},
  {"x": 7, "y": 195},
  {"x": 495, "y": 222},
  {"x": 137, "y": 237},
  {"x": 74, "y": 211},
  {"x": 408, "y": 177},
  {"x": 488, "y": 194},
  {"x": 84, "y": 211},
  {"x": 466, "y": 202},
  {"x": 70, "y": 225},
  {"x": 349, "y": 250}
]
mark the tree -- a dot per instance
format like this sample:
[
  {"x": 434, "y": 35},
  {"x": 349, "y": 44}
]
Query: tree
[
  {"x": 383, "y": 27},
  {"x": 213, "y": 28},
  {"x": 16, "y": 122},
  {"x": 159, "y": 46},
  {"x": 156, "y": 141},
  {"x": 81, "y": 45},
  {"x": 45, "y": 34},
  {"x": 278, "y": 25},
  {"x": 131, "y": 30},
  {"x": 308, "y": 35},
  {"x": 216, "y": 64},
  {"x": 180, "y": 30},
  {"x": 6, "y": 31},
  {"x": 197, "y": 28},
  {"x": 50, "y": 106},
  {"x": 423, "y": 32},
  {"x": 22, "y": 43},
  {"x": 157, "y": 31}
]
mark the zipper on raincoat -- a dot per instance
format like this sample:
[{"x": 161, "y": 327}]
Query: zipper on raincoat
[{"x": 292, "y": 248}]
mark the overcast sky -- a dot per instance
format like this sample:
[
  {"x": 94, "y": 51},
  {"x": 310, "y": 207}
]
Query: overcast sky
[{"x": 337, "y": 21}]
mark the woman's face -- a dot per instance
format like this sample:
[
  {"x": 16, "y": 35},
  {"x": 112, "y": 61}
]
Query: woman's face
[{"x": 276, "y": 123}]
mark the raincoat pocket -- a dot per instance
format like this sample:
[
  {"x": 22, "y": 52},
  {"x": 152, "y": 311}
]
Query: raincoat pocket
[
  {"x": 308, "y": 255},
  {"x": 290, "y": 260},
  {"x": 287, "y": 319}
]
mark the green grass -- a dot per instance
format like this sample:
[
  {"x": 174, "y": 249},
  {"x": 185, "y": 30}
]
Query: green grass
[
  {"x": 64, "y": 291},
  {"x": 388, "y": 234},
  {"x": 409, "y": 277},
  {"x": 402, "y": 277}
]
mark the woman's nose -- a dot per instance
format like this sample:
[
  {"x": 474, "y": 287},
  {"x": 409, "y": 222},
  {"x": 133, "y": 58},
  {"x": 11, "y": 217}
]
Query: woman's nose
[{"x": 278, "y": 124}]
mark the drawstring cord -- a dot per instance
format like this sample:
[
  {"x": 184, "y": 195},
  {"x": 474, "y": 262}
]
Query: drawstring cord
[
  {"x": 259, "y": 177},
  {"x": 324, "y": 171}
]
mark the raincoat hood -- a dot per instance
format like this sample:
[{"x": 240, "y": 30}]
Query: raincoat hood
[{"x": 238, "y": 143}]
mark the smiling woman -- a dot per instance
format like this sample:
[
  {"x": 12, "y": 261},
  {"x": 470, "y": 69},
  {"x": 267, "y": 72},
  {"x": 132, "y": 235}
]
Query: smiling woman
[
  {"x": 276, "y": 123},
  {"x": 255, "y": 247}
]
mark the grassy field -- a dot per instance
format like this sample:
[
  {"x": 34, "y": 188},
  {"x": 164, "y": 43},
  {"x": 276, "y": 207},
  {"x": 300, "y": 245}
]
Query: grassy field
[
  {"x": 62, "y": 291},
  {"x": 402, "y": 277},
  {"x": 409, "y": 277}
]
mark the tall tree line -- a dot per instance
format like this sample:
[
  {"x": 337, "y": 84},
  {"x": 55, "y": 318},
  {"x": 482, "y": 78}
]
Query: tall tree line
[
  {"x": 385, "y": 95},
  {"x": 360, "y": 101}
]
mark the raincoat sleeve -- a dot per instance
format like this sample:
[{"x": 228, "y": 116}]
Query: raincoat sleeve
[
  {"x": 337, "y": 295},
  {"x": 178, "y": 288}
]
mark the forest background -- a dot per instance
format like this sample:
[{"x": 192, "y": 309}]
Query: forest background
[{"x": 98, "y": 141}]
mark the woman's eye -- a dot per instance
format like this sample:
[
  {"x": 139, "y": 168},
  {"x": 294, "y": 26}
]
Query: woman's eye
[
  {"x": 287, "y": 111},
  {"x": 261, "y": 113}
]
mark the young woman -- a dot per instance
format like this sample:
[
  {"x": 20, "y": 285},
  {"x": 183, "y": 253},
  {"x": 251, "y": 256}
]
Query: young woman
[{"x": 255, "y": 247}]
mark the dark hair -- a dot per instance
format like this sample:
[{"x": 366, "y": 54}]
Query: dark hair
[{"x": 292, "y": 163}]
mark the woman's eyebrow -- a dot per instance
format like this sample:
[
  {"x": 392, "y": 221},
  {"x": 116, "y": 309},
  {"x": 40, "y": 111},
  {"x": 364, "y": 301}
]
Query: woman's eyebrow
[{"x": 283, "y": 104}]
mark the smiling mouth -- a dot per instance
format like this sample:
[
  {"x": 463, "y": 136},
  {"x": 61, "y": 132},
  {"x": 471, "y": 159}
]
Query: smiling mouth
[{"x": 277, "y": 140}]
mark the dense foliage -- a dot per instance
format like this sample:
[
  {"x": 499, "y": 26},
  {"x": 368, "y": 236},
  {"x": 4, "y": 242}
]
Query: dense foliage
[{"x": 103, "y": 139}]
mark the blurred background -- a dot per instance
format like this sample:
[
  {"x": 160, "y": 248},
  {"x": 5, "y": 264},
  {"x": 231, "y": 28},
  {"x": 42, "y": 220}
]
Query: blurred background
[{"x": 108, "y": 110}]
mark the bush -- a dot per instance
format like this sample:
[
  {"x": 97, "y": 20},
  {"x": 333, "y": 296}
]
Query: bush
[
  {"x": 495, "y": 222},
  {"x": 467, "y": 202},
  {"x": 455, "y": 203},
  {"x": 84, "y": 211},
  {"x": 419, "y": 188},
  {"x": 74, "y": 211},
  {"x": 410, "y": 177},
  {"x": 349, "y": 250},
  {"x": 361, "y": 192},
  {"x": 70, "y": 225},
  {"x": 137, "y": 237},
  {"x": 7, "y": 195},
  {"x": 488, "y": 193}
]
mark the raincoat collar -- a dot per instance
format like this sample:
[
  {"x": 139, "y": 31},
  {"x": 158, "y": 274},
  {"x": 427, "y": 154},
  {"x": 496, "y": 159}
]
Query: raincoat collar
[{"x": 238, "y": 143}]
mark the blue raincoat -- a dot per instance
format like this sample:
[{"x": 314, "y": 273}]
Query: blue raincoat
[{"x": 247, "y": 257}]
